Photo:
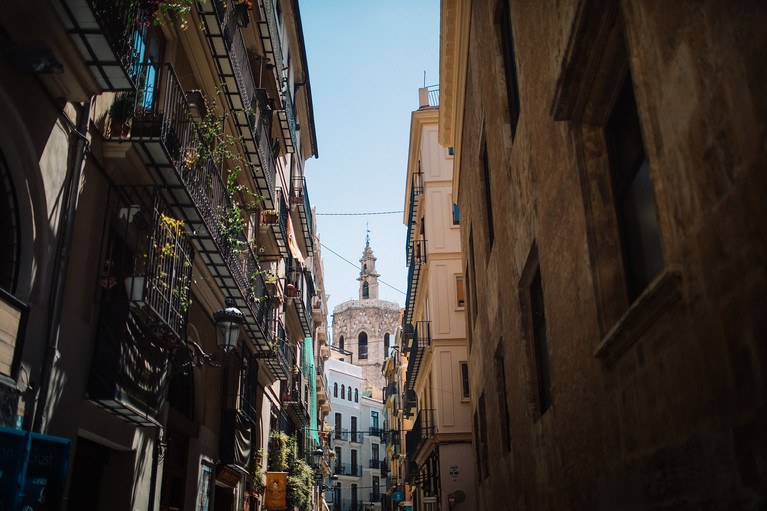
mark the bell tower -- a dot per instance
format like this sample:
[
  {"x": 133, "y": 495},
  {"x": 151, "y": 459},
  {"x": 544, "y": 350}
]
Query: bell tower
[{"x": 368, "y": 276}]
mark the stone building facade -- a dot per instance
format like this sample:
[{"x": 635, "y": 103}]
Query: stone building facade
[
  {"x": 366, "y": 327},
  {"x": 610, "y": 175}
]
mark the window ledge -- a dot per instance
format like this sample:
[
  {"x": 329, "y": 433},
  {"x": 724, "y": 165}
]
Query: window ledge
[{"x": 658, "y": 298}]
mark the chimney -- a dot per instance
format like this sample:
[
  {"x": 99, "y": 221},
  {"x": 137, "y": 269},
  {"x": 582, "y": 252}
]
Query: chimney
[{"x": 423, "y": 97}]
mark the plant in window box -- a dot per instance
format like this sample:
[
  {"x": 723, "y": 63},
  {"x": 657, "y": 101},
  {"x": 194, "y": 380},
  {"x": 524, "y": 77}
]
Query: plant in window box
[
  {"x": 270, "y": 216},
  {"x": 121, "y": 113}
]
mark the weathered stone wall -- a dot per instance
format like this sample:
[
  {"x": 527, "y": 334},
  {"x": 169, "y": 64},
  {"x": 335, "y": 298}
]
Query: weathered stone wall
[
  {"x": 660, "y": 403},
  {"x": 376, "y": 318}
]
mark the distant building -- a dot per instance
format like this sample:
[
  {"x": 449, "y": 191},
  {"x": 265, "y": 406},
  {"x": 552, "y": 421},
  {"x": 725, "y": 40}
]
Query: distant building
[
  {"x": 365, "y": 328},
  {"x": 356, "y": 481}
]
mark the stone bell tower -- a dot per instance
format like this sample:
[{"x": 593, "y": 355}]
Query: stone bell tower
[{"x": 368, "y": 276}]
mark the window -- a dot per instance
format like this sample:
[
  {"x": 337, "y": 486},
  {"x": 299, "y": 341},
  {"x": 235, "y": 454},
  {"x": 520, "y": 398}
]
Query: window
[
  {"x": 509, "y": 65},
  {"x": 362, "y": 346},
  {"x": 341, "y": 343},
  {"x": 503, "y": 405},
  {"x": 338, "y": 426},
  {"x": 477, "y": 442},
  {"x": 459, "y": 291},
  {"x": 365, "y": 290},
  {"x": 464, "y": 380},
  {"x": 374, "y": 420},
  {"x": 633, "y": 194},
  {"x": 356, "y": 395},
  {"x": 343, "y": 391},
  {"x": 483, "y": 440},
  {"x": 488, "y": 197},
  {"x": 339, "y": 462},
  {"x": 376, "y": 488},
  {"x": 456, "y": 214},
  {"x": 335, "y": 389},
  {"x": 354, "y": 430},
  {"x": 386, "y": 345},
  {"x": 354, "y": 463},
  {"x": 540, "y": 342},
  {"x": 354, "y": 491}
]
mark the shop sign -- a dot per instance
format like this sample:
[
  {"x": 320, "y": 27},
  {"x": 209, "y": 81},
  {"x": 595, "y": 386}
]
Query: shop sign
[
  {"x": 34, "y": 469},
  {"x": 276, "y": 490}
]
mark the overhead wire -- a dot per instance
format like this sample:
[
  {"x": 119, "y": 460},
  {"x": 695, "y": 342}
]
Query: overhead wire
[{"x": 356, "y": 266}]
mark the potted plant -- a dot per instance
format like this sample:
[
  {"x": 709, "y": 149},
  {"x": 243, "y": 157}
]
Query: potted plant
[
  {"x": 120, "y": 113},
  {"x": 291, "y": 291},
  {"x": 270, "y": 216}
]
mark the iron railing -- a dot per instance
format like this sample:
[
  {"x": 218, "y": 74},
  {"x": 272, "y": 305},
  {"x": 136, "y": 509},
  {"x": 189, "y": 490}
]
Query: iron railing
[
  {"x": 433, "y": 95},
  {"x": 422, "y": 430},
  {"x": 421, "y": 341},
  {"x": 348, "y": 469},
  {"x": 147, "y": 258},
  {"x": 300, "y": 198}
]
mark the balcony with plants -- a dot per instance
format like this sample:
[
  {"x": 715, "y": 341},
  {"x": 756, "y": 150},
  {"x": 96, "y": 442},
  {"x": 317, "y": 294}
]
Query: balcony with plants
[
  {"x": 299, "y": 290},
  {"x": 248, "y": 103},
  {"x": 144, "y": 293},
  {"x": 200, "y": 166}
]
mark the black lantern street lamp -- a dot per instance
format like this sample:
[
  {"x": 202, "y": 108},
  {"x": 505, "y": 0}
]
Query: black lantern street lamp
[{"x": 228, "y": 321}]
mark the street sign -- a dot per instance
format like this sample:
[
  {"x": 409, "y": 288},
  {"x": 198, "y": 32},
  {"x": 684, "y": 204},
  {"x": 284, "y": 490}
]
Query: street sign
[{"x": 397, "y": 496}]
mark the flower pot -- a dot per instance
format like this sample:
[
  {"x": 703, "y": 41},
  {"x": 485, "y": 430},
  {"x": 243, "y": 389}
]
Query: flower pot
[
  {"x": 291, "y": 291},
  {"x": 270, "y": 218}
]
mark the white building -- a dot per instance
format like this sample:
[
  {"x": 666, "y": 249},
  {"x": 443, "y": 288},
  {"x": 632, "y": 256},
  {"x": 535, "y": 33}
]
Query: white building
[{"x": 356, "y": 481}]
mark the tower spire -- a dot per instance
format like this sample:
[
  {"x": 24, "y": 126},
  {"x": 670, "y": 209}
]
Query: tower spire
[{"x": 368, "y": 276}]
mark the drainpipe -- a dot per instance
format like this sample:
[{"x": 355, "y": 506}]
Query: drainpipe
[{"x": 63, "y": 249}]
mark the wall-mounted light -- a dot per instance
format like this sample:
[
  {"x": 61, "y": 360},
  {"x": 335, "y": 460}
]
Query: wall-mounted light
[{"x": 228, "y": 322}]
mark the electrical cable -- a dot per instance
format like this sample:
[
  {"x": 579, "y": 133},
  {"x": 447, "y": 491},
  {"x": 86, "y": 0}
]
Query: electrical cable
[{"x": 361, "y": 214}]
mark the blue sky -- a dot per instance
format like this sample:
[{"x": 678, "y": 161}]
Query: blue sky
[{"x": 366, "y": 62}]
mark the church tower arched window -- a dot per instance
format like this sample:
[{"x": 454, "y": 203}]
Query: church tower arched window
[{"x": 362, "y": 346}]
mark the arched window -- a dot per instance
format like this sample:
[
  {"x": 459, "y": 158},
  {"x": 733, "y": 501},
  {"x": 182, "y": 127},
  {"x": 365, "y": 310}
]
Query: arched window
[
  {"x": 386, "y": 345},
  {"x": 341, "y": 343},
  {"x": 356, "y": 395},
  {"x": 365, "y": 290},
  {"x": 343, "y": 391},
  {"x": 335, "y": 389},
  {"x": 362, "y": 346},
  {"x": 350, "y": 393}
]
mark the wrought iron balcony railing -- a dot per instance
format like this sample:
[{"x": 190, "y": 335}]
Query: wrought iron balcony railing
[
  {"x": 150, "y": 252},
  {"x": 299, "y": 289},
  {"x": 299, "y": 197},
  {"x": 416, "y": 260},
  {"x": 422, "y": 430},
  {"x": 348, "y": 469},
  {"x": 375, "y": 463},
  {"x": 421, "y": 341}
]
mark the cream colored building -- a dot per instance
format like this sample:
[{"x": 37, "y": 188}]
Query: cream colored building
[{"x": 436, "y": 393}]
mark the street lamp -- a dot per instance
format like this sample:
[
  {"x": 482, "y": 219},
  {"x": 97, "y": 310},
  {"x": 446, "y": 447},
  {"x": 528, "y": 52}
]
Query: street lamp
[{"x": 228, "y": 322}]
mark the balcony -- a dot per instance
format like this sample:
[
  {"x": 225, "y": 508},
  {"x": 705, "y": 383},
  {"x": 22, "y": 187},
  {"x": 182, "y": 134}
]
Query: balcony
[
  {"x": 375, "y": 431},
  {"x": 375, "y": 496},
  {"x": 269, "y": 32},
  {"x": 422, "y": 430},
  {"x": 416, "y": 259},
  {"x": 156, "y": 119},
  {"x": 278, "y": 226},
  {"x": 299, "y": 289},
  {"x": 247, "y": 103},
  {"x": 299, "y": 198},
  {"x": 347, "y": 469},
  {"x": 107, "y": 33},
  {"x": 296, "y": 402},
  {"x": 421, "y": 341},
  {"x": 277, "y": 356},
  {"x": 375, "y": 463}
]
